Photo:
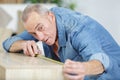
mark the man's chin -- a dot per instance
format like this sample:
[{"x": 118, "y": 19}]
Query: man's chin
[{"x": 50, "y": 44}]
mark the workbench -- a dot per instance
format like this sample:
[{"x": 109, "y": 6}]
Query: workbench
[{"x": 17, "y": 66}]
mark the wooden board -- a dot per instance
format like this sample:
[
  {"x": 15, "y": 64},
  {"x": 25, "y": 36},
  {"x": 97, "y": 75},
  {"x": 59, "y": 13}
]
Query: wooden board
[{"x": 14, "y": 66}]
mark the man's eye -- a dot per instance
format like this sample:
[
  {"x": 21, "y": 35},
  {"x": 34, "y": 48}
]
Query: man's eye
[{"x": 40, "y": 28}]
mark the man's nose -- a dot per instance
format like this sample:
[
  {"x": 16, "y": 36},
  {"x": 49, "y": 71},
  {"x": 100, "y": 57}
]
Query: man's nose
[{"x": 40, "y": 36}]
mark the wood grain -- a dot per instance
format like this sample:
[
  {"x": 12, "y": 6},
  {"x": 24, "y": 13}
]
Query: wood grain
[{"x": 14, "y": 66}]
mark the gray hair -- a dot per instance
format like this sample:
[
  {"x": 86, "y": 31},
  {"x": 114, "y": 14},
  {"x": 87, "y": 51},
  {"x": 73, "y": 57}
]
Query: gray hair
[{"x": 33, "y": 8}]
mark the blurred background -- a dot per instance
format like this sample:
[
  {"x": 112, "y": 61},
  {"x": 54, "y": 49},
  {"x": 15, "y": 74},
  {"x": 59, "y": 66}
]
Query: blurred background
[{"x": 106, "y": 12}]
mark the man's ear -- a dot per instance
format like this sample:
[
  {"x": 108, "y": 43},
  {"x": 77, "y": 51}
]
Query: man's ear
[{"x": 51, "y": 16}]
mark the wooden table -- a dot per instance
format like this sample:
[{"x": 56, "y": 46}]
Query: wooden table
[{"x": 16, "y": 66}]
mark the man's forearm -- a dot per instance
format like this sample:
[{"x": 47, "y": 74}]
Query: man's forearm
[
  {"x": 17, "y": 46},
  {"x": 93, "y": 67}
]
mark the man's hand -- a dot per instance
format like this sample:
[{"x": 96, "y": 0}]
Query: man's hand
[
  {"x": 30, "y": 48},
  {"x": 78, "y": 70},
  {"x": 73, "y": 70}
]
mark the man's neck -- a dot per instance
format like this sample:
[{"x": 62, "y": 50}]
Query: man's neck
[{"x": 55, "y": 47}]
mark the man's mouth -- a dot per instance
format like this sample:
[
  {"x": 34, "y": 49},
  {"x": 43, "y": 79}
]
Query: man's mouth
[{"x": 46, "y": 40}]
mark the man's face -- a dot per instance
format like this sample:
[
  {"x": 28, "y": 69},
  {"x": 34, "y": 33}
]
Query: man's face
[{"x": 42, "y": 27}]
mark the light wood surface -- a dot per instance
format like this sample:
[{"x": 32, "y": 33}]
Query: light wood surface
[{"x": 16, "y": 66}]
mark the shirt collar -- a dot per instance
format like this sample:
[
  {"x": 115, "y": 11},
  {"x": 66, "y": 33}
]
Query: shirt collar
[{"x": 60, "y": 32}]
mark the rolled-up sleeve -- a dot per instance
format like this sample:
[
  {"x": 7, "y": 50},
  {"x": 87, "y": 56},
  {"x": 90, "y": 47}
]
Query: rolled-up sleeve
[
  {"x": 23, "y": 36},
  {"x": 8, "y": 42},
  {"x": 103, "y": 58}
]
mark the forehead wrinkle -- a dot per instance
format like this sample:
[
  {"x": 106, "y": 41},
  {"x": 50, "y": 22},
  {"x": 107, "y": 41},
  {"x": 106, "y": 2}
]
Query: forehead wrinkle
[{"x": 32, "y": 21}]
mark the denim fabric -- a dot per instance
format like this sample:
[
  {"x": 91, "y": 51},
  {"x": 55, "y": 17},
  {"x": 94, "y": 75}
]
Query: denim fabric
[{"x": 81, "y": 38}]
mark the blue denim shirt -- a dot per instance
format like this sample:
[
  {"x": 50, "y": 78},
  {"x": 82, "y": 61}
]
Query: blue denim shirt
[{"x": 80, "y": 38}]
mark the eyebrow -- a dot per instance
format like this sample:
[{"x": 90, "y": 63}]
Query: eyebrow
[{"x": 37, "y": 25}]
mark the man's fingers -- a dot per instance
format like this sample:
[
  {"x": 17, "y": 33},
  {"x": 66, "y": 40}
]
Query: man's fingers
[
  {"x": 73, "y": 70},
  {"x": 30, "y": 48},
  {"x": 26, "y": 52},
  {"x": 34, "y": 47}
]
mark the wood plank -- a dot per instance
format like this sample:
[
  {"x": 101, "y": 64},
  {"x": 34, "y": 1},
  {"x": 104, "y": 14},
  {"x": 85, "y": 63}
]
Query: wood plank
[{"x": 14, "y": 66}]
